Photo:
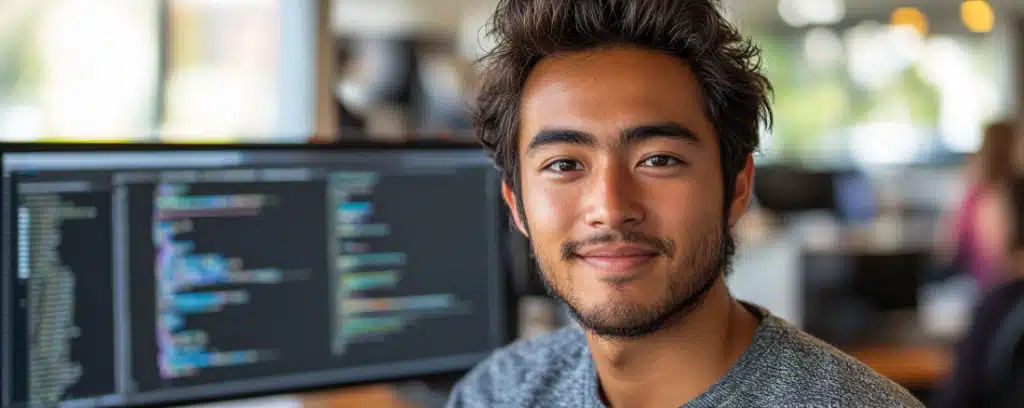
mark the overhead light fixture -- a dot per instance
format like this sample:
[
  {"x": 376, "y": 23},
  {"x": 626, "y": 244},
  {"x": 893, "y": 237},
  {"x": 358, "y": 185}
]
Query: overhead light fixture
[
  {"x": 800, "y": 13},
  {"x": 822, "y": 47},
  {"x": 910, "y": 17},
  {"x": 871, "y": 59},
  {"x": 977, "y": 15},
  {"x": 789, "y": 11}
]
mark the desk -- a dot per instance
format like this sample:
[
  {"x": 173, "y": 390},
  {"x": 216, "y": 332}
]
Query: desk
[
  {"x": 377, "y": 396},
  {"x": 909, "y": 366}
]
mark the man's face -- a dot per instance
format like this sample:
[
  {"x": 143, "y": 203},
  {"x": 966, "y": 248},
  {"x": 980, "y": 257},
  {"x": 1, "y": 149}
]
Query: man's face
[{"x": 622, "y": 188}]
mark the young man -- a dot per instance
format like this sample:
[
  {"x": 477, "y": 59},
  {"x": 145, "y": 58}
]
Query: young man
[{"x": 624, "y": 131}]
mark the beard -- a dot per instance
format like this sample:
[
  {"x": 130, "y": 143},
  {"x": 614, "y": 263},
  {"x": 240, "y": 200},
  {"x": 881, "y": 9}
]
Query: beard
[{"x": 708, "y": 259}]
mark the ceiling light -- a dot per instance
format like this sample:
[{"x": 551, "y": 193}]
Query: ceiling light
[
  {"x": 800, "y": 13},
  {"x": 910, "y": 17},
  {"x": 977, "y": 15}
]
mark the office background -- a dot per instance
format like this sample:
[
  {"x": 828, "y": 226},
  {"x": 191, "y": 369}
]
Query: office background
[{"x": 879, "y": 107}]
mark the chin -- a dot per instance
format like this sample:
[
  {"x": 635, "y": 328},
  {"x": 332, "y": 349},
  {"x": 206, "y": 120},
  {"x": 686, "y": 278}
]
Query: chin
[
  {"x": 616, "y": 300},
  {"x": 620, "y": 320},
  {"x": 614, "y": 306},
  {"x": 630, "y": 310},
  {"x": 611, "y": 292}
]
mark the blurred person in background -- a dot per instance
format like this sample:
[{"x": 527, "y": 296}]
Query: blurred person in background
[
  {"x": 348, "y": 117},
  {"x": 975, "y": 242},
  {"x": 979, "y": 378}
]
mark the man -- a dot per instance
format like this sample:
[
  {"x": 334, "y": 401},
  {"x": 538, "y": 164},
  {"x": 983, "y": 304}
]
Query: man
[{"x": 624, "y": 131}]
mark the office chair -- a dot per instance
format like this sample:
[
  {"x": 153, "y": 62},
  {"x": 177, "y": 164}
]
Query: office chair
[{"x": 1004, "y": 375}]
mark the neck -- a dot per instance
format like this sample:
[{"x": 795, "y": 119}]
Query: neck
[{"x": 679, "y": 362}]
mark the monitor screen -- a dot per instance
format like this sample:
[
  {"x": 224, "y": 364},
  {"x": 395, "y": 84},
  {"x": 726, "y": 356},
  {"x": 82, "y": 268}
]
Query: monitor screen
[
  {"x": 846, "y": 193},
  {"x": 140, "y": 276},
  {"x": 788, "y": 190}
]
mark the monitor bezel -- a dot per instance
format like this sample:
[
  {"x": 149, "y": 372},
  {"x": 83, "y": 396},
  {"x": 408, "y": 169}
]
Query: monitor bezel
[{"x": 441, "y": 378}]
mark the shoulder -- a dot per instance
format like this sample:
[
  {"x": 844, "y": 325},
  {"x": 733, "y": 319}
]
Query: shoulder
[
  {"x": 532, "y": 367},
  {"x": 810, "y": 372}
]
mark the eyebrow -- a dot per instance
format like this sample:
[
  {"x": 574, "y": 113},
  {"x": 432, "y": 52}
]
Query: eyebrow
[
  {"x": 659, "y": 130},
  {"x": 548, "y": 137},
  {"x": 628, "y": 136}
]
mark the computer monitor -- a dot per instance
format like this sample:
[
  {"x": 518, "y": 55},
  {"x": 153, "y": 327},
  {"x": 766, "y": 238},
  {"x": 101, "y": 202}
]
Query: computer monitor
[
  {"x": 786, "y": 189},
  {"x": 849, "y": 295},
  {"x": 156, "y": 275},
  {"x": 846, "y": 193}
]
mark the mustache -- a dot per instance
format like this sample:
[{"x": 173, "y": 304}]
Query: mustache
[{"x": 662, "y": 246}]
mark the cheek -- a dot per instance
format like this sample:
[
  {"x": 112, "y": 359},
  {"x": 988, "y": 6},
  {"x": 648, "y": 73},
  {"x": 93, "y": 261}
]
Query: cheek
[
  {"x": 680, "y": 209},
  {"x": 549, "y": 210},
  {"x": 549, "y": 215}
]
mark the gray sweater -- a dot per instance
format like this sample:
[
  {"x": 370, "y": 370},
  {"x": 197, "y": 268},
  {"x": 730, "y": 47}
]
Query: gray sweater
[{"x": 784, "y": 367}]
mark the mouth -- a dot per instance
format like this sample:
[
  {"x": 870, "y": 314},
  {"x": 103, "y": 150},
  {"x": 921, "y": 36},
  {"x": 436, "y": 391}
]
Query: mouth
[{"x": 618, "y": 259}]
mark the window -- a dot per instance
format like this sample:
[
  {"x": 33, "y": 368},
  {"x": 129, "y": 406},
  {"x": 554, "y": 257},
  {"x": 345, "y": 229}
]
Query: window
[
  {"x": 173, "y": 70},
  {"x": 77, "y": 71}
]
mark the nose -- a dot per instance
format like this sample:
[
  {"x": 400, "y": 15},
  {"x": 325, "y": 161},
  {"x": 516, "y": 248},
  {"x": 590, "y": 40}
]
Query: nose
[{"x": 613, "y": 198}]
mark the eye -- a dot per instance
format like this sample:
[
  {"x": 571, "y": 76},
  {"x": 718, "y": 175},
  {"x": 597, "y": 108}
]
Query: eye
[
  {"x": 660, "y": 160},
  {"x": 564, "y": 166}
]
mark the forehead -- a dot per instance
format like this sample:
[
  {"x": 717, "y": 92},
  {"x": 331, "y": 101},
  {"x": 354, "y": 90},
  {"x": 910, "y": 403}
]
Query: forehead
[{"x": 604, "y": 91}]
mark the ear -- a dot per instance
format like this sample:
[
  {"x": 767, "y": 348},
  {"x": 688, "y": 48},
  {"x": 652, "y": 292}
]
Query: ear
[
  {"x": 513, "y": 205},
  {"x": 743, "y": 191}
]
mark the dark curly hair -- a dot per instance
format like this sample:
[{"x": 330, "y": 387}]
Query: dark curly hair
[{"x": 726, "y": 65}]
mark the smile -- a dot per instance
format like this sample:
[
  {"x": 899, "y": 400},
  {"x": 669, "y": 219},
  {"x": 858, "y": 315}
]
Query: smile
[
  {"x": 618, "y": 264},
  {"x": 618, "y": 260}
]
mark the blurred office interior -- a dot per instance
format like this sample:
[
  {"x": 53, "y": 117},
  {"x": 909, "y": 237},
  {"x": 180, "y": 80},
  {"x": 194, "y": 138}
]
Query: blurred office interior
[{"x": 879, "y": 106}]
